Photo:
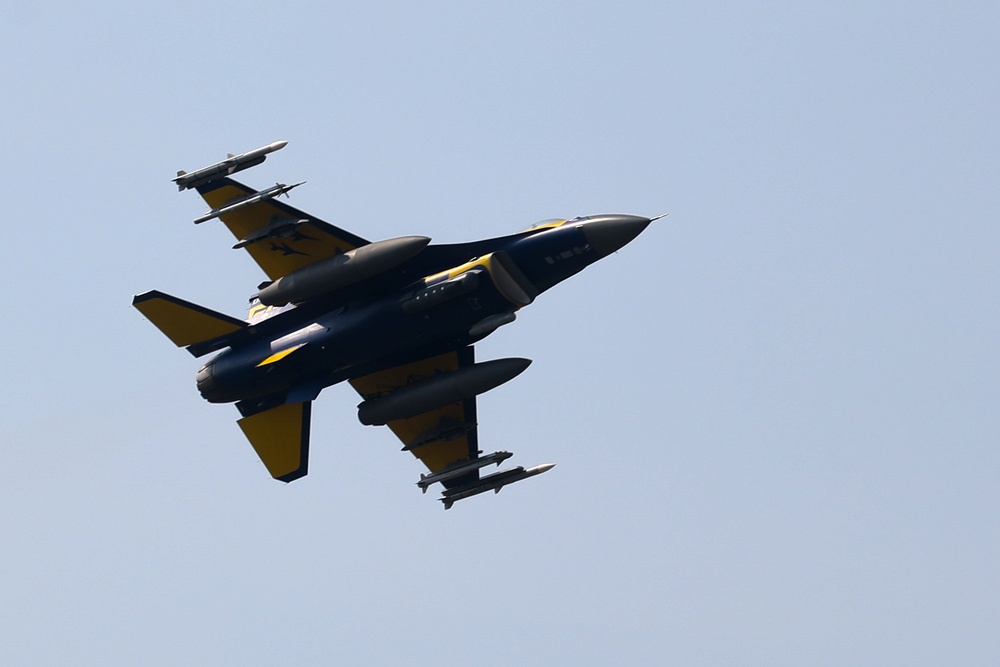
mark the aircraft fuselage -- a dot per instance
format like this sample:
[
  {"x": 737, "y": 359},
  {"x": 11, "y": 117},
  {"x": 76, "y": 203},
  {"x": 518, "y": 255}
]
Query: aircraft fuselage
[{"x": 451, "y": 304}]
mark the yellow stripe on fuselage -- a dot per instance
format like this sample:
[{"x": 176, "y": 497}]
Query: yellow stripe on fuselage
[
  {"x": 483, "y": 261},
  {"x": 498, "y": 274},
  {"x": 278, "y": 356}
]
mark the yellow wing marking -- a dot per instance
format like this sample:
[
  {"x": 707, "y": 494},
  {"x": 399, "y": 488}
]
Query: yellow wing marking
[
  {"x": 280, "y": 436},
  {"x": 278, "y": 256},
  {"x": 447, "y": 431}
]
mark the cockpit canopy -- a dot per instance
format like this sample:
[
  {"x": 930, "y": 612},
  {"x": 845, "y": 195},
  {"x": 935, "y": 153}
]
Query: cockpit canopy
[{"x": 546, "y": 224}]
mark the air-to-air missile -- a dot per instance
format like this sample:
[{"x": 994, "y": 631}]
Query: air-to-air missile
[
  {"x": 459, "y": 469},
  {"x": 493, "y": 483},
  {"x": 248, "y": 200},
  {"x": 230, "y": 165}
]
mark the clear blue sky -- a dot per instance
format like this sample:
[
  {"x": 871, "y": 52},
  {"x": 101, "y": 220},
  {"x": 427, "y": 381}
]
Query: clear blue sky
[{"x": 774, "y": 414}]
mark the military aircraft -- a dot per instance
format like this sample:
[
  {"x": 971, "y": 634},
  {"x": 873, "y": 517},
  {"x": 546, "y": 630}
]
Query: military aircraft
[{"x": 396, "y": 318}]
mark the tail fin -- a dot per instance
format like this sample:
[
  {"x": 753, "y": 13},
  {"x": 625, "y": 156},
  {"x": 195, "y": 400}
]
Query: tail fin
[{"x": 185, "y": 323}]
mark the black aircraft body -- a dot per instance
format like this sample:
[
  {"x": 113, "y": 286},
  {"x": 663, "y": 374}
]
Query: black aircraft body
[{"x": 396, "y": 318}]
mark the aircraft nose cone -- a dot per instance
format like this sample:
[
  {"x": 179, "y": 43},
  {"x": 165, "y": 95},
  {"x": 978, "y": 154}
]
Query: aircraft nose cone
[{"x": 607, "y": 233}]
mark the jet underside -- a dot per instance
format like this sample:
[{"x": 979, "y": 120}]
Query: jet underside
[
  {"x": 397, "y": 318},
  {"x": 370, "y": 334}
]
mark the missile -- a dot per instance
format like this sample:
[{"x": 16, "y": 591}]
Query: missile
[
  {"x": 230, "y": 165},
  {"x": 441, "y": 390},
  {"x": 276, "y": 229},
  {"x": 493, "y": 483},
  {"x": 342, "y": 270},
  {"x": 462, "y": 468},
  {"x": 248, "y": 200}
]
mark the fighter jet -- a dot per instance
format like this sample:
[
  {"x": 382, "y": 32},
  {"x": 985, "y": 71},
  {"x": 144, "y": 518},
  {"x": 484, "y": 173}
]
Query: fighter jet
[{"x": 397, "y": 318}]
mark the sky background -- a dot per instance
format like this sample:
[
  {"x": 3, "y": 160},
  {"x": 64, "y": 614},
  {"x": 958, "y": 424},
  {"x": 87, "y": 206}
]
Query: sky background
[{"x": 774, "y": 414}]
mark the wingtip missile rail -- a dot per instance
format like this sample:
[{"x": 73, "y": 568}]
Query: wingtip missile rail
[
  {"x": 231, "y": 165},
  {"x": 463, "y": 468},
  {"x": 248, "y": 200},
  {"x": 493, "y": 483}
]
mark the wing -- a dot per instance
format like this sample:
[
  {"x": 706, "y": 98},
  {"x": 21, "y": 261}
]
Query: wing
[
  {"x": 439, "y": 438},
  {"x": 280, "y": 238}
]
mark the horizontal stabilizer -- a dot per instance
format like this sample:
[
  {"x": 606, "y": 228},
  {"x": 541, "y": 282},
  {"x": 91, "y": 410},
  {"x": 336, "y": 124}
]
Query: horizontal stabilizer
[
  {"x": 280, "y": 437},
  {"x": 183, "y": 322}
]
